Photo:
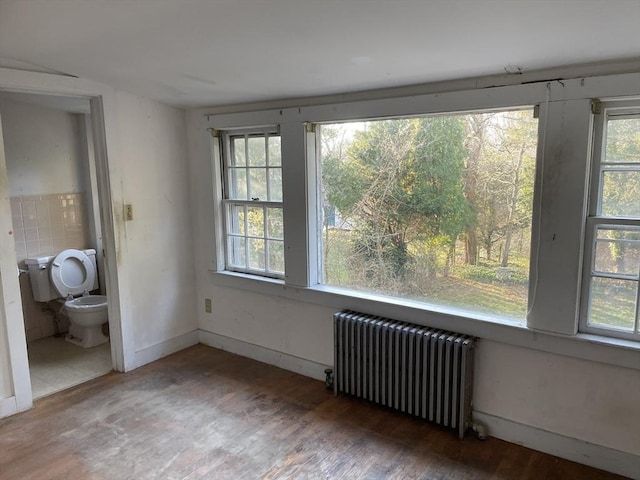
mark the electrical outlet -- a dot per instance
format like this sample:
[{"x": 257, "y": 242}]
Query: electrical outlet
[
  {"x": 207, "y": 305},
  {"x": 128, "y": 212}
]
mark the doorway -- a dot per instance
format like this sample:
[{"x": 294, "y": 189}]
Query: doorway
[
  {"x": 54, "y": 207},
  {"x": 84, "y": 197}
]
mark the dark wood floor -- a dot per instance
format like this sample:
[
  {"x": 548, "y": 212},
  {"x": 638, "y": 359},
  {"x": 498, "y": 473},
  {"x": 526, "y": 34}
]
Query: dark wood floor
[{"x": 207, "y": 414}]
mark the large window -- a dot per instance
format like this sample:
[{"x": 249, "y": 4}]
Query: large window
[
  {"x": 253, "y": 203},
  {"x": 611, "y": 293},
  {"x": 436, "y": 209},
  {"x": 462, "y": 210}
]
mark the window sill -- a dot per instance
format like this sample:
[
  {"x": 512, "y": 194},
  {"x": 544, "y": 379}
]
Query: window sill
[{"x": 618, "y": 352}]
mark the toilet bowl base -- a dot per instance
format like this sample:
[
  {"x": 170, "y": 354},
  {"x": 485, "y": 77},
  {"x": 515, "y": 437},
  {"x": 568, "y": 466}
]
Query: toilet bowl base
[{"x": 86, "y": 337}]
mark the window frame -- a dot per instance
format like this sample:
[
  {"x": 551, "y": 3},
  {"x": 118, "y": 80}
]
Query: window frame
[
  {"x": 610, "y": 108},
  {"x": 532, "y": 108},
  {"x": 227, "y": 150},
  {"x": 559, "y": 219}
]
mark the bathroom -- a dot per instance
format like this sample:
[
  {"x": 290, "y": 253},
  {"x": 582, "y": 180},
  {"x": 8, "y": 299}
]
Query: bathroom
[{"x": 54, "y": 206}]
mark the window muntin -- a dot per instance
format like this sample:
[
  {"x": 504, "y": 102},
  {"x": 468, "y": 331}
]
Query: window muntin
[
  {"x": 612, "y": 290},
  {"x": 253, "y": 204},
  {"x": 424, "y": 208}
]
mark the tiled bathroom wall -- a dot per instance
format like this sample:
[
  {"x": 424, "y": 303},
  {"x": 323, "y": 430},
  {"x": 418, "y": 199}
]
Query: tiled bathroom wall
[{"x": 46, "y": 225}]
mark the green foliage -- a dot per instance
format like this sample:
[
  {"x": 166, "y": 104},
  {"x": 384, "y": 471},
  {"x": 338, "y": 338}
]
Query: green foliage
[
  {"x": 486, "y": 273},
  {"x": 621, "y": 189},
  {"x": 404, "y": 194},
  {"x": 400, "y": 180}
]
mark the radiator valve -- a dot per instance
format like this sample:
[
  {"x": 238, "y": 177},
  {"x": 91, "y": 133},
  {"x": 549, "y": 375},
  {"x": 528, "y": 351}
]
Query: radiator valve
[
  {"x": 328, "y": 380},
  {"x": 479, "y": 430}
]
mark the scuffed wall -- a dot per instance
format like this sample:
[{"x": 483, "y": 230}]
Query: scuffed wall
[{"x": 157, "y": 258}]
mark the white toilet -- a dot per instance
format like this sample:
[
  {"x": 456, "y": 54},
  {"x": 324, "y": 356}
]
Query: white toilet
[{"x": 72, "y": 273}]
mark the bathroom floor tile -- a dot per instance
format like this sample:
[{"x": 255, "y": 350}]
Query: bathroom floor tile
[{"x": 56, "y": 364}]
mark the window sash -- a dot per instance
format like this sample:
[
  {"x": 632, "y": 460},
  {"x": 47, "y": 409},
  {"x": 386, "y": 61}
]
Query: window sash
[
  {"x": 238, "y": 239},
  {"x": 233, "y": 232},
  {"x": 597, "y": 221}
]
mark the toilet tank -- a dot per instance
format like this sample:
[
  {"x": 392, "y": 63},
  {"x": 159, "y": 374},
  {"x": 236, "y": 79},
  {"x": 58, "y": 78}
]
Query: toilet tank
[
  {"x": 38, "y": 267},
  {"x": 41, "y": 285}
]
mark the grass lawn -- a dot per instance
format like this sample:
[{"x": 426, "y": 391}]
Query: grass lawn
[{"x": 475, "y": 289}]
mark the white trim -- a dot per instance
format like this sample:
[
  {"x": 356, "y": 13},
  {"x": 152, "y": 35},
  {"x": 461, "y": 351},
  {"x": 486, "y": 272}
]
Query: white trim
[
  {"x": 305, "y": 367},
  {"x": 104, "y": 124},
  {"x": 162, "y": 349},
  {"x": 295, "y": 210},
  {"x": 8, "y": 406},
  {"x": 585, "y": 70},
  {"x": 12, "y": 331},
  {"x": 559, "y": 216},
  {"x": 612, "y": 86},
  {"x": 597, "y": 456}
]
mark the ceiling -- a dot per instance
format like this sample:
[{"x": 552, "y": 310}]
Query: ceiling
[{"x": 222, "y": 52}]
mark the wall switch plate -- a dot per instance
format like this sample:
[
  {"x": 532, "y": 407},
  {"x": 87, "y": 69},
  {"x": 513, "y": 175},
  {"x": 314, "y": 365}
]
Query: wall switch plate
[
  {"x": 128, "y": 212},
  {"x": 207, "y": 305}
]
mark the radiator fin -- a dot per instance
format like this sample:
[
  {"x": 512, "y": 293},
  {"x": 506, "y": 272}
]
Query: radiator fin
[{"x": 417, "y": 370}]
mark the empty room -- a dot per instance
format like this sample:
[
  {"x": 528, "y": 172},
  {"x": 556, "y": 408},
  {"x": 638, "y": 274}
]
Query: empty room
[{"x": 319, "y": 240}]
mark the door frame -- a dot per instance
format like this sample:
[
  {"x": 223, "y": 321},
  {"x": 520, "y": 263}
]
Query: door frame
[{"x": 104, "y": 125}]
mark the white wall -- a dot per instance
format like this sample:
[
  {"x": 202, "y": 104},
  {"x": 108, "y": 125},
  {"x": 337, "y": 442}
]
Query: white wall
[
  {"x": 45, "y": 141},
  {"x": 156, "y": 256},
  {"x": 580, "y": 399}
]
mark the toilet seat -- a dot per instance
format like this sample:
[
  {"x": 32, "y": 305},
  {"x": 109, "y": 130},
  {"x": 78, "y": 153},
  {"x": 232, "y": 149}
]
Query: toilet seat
[{"x": 72, "y": 273}]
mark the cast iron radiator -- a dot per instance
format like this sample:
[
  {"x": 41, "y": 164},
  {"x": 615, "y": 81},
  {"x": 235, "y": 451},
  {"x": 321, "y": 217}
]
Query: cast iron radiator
[{"x": 417, "y": 370}]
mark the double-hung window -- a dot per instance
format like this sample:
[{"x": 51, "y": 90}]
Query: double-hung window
[
  {"x": 254, "y": 232},
  {"x": 611, "y": 296}
]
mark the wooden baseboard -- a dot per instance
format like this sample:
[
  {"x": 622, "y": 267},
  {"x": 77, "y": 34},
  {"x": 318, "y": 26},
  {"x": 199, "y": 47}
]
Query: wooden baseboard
[
  {"x": 173, "y": 345},
  {"x": 597, "y": 456},
  {"x": 8, "y": 406},
  {"x": 285, "y": 361}
]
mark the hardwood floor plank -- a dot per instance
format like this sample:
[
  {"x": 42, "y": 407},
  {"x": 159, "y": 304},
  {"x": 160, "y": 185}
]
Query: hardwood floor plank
[{"x": 207, "y": 414}]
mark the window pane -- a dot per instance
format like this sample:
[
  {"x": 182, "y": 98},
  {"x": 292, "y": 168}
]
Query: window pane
[
  {"x": 237, "y": 256},
  {"x": 621, "y": 193},
  {"x": 613, "y": 303},
  {"x": 435, "y": 209},
  {"x": 238, "y": 158},
  {"x": 618, "y": 251},
  {"x": 253, "y": 177},
  {"x": 236, "y": 219},
  {"x": 258, "y": 184},
  {"x": 275, "y": 184},
  {"x": 257, "y": 152},
  {"x": 623, "y": 140},
  {"x": 255, "y": 217},
  {"x": 256, "y": 253},
  {"x": 274, "y": 223},
  {"x": 275, "y": 156},
  {"x": 276, "y": 256},
  {"x": 238, "y": 183}
]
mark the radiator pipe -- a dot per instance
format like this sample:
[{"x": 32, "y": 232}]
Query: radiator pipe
[
  {"x": 479, "y": 430},
  {"x": 328, "y": 380}
]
